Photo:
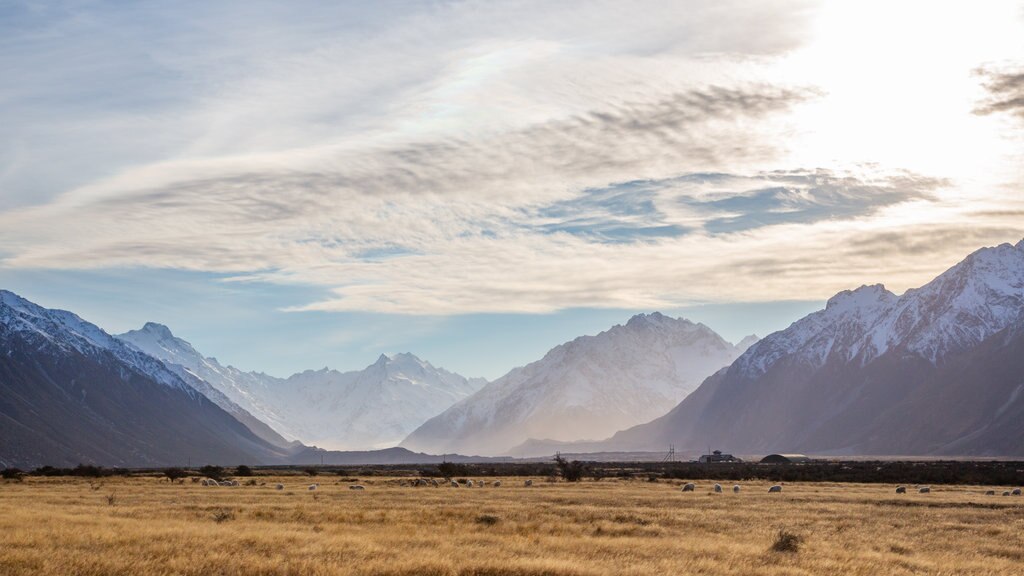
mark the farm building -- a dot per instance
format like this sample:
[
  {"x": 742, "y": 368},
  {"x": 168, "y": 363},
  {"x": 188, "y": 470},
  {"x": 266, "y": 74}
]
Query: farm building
[
  {"x": 717, "y": 456},
  {"x": 785, "y": 459}
]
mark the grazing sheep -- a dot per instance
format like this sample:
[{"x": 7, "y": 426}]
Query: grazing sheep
[
  {"x": 235, "y": 483},
  {"x": 690, "y": 487},
  {"x": 312, "y": 487},
  {"x": 1006, "y": 493},
  {"x": 357, "y": 487},
  {"x": 528, "y": 483},
  {"x": 993, "y": 493},
  {"x": 481, "y": 483},
  {"x": 455, "y": 484},
  {"x": 775, "y": 488},
  {"x": 1015, "y": 492},
  {"x": 436, "y": 483},
  {"x": 279, "y": 487},
  {"x": 736, "y": 488},
  {"x": 469, "y": 483},
  {"x": 901, "y": 489},
  {"x": 925, "y": 490},
  {"x": 204, "y": 482},
  {"x": 717, "y": 488},
  {"x": 497, "y": 484},
  {"x": 226, "y": 483}
]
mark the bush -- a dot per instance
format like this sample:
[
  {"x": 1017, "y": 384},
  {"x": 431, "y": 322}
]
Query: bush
[
  {"x": 570, "y": 471},
  {"x": 311, "y": 471},
  {"x": 449, "y": 470},
  {"x": 786, "y": 541},
  {"x": 88, "y": 471},
  {"x": 243, "y": 470},
  {"x": 223, "y": 516},
  {"x": 487, "y": 519},
  {"x": 213, "y": 472},
  {"x": 173, "y": 474},
  {"x": 11, "y": 474}
]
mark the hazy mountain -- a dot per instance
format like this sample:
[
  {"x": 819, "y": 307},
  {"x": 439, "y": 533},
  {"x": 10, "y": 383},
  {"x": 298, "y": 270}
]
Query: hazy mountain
[
  {"x": 70, "y": 393},
  {"x": 583, "y": 389},
  {"x": 371, "y": 408},
  {"x": 937, "y": 370},
  {"x": 157, "y": 341}
]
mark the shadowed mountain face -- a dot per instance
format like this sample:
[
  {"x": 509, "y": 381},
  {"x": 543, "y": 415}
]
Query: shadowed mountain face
[
  {"x": 584, "y": 389},
  {"x": 935, "y": 371},
  {"x": 70, "y": 394}
]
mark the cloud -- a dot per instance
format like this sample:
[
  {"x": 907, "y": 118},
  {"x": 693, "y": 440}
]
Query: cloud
[{"x": 1006, "y": 92}]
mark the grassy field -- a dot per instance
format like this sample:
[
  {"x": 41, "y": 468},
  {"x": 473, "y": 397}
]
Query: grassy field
[{"x": 148, "y": 526}]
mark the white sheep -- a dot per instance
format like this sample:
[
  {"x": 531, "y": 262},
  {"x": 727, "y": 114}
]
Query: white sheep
[
  {"x": 717, "y": 488},
  {"x": 497, "y": 484},
  {"x": 924, "y": 490},
  {"x": 235, "y": 483},
  {"x": 435, "y": 482},
  {"x": 736, "y": 488},
  {"x": 312, "y": 487},
  {"x": 455, "y": 484},
  {"x": 469, "y": 483},
  {"x": 528, "y": 483},
  {"x": 901, "y": 489},
  {"x": 357, "y": 487},
  {"x": 775, "y": 488},
  {"x": 279, "y": 487},
  {"x": 689, "y": 487},
  {"x": 204, "y": 482}
]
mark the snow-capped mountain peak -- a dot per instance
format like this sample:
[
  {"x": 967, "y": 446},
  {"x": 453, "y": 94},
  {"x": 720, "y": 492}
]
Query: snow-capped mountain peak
[
  {"x": 967, "y": 303},
  {"x": 67, "y": 331},
  {"x": 583, "y": 389},
  {"x": 371, "y": 408}
]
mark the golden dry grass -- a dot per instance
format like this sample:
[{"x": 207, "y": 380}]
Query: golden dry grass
[{"x": 64, "y": 526}]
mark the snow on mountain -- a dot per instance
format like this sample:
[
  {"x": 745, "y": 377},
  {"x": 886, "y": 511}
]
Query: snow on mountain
[
  {"x": 67, "y": 331},
  {"x": 71, "y": 393},
  {"x": 872, "y": 373},
  {"x": 371, "y": 408},
  {"x": 974, "y": 299},
  {"x": 583, "y": 389}
]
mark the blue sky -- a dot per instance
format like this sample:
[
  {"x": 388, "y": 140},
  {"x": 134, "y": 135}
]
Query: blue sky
[{"x": 307, "y": 185}]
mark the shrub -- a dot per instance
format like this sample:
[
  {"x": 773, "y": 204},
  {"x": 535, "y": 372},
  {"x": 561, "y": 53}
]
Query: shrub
[
  {"x": 311, "y": 471},
  {"x": 12, "y": 474},
  {"x": 214, "y": 472},
  {"x": 223, "y": 515},
  {"x": 88, "y": 471},
  {"x": 243, "y": 470},
  {"x": 570, "y": 471},
  {"x": 449, "y": 470},
  {"x": 487, "y": 519},
  {"x": 786, "y": 541},
  {"x": 173, "y": 474}
]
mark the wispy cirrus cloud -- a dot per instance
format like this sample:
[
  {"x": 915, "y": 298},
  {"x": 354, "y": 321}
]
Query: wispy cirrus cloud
[{"x": 453, "y": 158}]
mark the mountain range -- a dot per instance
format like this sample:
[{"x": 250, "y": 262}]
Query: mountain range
[
  {"x": 584, "y": 389},
  {"x": 938, "y": 370},
  {"x": 935, "y": 371},
  {"x": 358, "y": 410},
  {"x": 71, "y": 393}
]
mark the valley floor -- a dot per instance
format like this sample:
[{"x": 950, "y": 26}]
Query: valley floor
[{"x": 148, "y": 526}]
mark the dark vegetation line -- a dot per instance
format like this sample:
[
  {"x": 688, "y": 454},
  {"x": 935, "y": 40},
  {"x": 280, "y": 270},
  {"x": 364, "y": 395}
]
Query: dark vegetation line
[{"x": 1007, "y": 473}]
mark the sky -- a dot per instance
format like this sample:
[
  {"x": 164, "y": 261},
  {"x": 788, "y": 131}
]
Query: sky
[{"x": 298, "y": 185}]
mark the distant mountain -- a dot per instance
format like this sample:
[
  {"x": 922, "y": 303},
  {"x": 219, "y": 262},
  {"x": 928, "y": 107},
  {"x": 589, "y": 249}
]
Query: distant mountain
[
  {"x": 937, "y": 370},
  {"x": 157, "y": 341},
  {"x": 371, "y": 408},
  {"x": 584, "y": 389},
  {"x": 70, "y": 393}
]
